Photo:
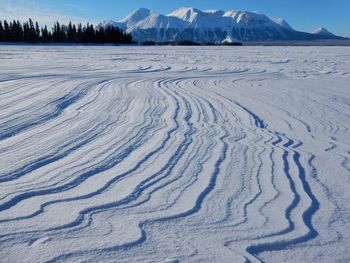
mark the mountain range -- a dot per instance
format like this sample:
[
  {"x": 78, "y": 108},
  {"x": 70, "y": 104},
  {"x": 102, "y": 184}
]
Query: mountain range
[{"x": 211, "y": 26}]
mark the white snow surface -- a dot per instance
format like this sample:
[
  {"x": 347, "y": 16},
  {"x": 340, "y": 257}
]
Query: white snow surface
[{"x": 178, "y": 154}]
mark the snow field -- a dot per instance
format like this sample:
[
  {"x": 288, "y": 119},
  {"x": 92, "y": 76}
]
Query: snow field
[{"x": 204, "y": 154}]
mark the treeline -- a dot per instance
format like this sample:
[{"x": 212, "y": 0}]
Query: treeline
[{"x": 31, "y": 32}]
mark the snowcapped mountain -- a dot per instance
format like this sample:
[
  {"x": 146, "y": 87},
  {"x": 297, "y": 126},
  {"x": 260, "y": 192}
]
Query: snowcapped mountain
[
  {"x": 209, "y": 26},
  {"x": 322, "y": 31},
  {"x": 282, "y": 22},
  {"x": 112, "y": 23}
]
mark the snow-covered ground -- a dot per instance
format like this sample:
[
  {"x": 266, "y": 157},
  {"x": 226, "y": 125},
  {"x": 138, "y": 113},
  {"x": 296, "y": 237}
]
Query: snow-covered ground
[{"x": 174, "y": 154}]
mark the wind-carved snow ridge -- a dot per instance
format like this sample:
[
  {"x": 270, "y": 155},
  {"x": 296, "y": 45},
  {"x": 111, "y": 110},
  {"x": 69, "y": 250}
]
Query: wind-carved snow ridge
[{"x": 205, "y": 154}]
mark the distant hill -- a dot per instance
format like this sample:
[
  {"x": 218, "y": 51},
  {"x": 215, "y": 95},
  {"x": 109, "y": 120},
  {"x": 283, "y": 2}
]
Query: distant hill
[{"x": 323, "y": 32}]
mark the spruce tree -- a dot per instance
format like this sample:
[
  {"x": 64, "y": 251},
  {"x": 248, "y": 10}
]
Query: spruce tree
[
  {"x": 7, "y": 32},
  {"x": 45, "y": 38},
  {"x": 32, "y": 35},
  {"x": 2, "y": 32},
  {"x": 37, "y": 32}
]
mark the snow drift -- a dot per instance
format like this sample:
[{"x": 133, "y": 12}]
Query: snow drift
[{"x": 201, "y": 154}]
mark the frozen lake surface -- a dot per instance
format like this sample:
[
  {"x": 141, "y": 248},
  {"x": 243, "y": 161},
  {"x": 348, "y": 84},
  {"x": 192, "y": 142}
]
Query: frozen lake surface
[{"x": 174, "y": 154}]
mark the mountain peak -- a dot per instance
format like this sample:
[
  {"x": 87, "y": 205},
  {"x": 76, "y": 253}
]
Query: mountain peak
[
  {"x": 137, "y": 16},
  {"x": 247, "y": 17},
  {"x": 322, "y": 31},
  {"x": 142, "y": 10},
  {"x": 186, "y": 13},
  {"x": 282, "y": 22},
  {"x": 187, "y": 9}
]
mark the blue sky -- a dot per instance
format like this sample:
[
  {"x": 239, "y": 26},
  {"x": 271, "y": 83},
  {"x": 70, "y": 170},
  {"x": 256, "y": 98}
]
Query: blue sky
[{"x": 304, "y": 15}]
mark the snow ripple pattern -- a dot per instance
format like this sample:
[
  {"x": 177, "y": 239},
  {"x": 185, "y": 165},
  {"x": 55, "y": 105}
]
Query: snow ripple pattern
[{"x": 205, "y": 154}]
